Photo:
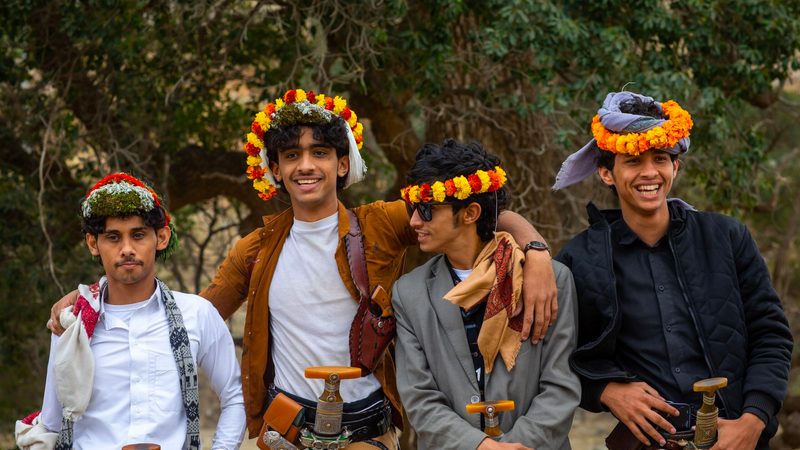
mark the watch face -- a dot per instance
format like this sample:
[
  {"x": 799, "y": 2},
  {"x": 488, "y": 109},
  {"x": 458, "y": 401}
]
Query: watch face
[{"x": 536, "y": 245}]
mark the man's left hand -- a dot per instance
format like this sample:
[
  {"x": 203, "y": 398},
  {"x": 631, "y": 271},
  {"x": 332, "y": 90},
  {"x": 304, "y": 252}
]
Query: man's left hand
[
  {"x": 539, "y": 295},
  {"x": 738, "y": 434}
]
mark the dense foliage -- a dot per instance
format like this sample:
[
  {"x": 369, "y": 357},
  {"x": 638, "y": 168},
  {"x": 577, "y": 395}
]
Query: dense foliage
[{"x": 168, "y": 89}]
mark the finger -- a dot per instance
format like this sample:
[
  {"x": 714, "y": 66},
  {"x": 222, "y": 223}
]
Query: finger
[
  {"x": 54, "y": 326},
  {"x": 538, "y": 322},
  {"x": 637, "y": 433},
  {"x": 527, "y": 318},
  {"x": 547, "y": 312},
  {"x": 553, "y": 309},
  {"x": 650, "y": 430},
  {"x": 661, "y": 422},
  {"x": 663, "y": 406},
  {"x": 653, "y": 393}
]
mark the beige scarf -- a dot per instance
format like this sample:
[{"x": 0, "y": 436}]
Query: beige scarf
[{"x": 496, "y": 278}]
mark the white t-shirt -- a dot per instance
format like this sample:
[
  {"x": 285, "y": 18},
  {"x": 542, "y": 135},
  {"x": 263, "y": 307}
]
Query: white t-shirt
[
  {"x": 311, "y": 311},
  {"x": 136, "y": 394}
]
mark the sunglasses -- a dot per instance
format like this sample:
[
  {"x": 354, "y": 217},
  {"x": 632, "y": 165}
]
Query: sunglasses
[{"x": 425, "y": 209}]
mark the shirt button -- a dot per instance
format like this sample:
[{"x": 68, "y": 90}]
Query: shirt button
[
  {"x": 474, "y": 354},
  {"x": 669, "y": 328},
  {"x": 677, "y": 370},
  {"x": 661, "y": 287},
  {"x": 475, "y": 399}
]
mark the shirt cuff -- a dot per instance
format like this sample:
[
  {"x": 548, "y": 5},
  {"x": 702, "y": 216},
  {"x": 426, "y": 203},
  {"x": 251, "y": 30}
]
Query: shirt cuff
[
  {"x": 761, "y": 405},
  {"x": 590, "y": 395}
]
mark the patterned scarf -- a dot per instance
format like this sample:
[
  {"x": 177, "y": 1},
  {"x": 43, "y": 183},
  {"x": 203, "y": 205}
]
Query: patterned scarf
[
  {"x": 496, "y": 279},
  {"x": 179, "y": 341}
]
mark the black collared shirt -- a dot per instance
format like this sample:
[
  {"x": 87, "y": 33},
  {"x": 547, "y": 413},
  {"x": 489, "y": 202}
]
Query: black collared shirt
[{"x": 657, "y": 340}]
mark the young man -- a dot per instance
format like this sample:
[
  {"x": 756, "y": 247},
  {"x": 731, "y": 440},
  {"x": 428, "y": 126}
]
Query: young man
[
  {"x": 669, "y": 295},
  {"x": 456, "y": 342},
  {"x": 294, "y": 272},
  {"x": 127, "y": 365}
]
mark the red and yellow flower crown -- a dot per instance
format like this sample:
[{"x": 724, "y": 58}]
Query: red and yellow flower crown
[
  {"x": 666, "y": 135},
  {"x": 459, "y": 187},
  {"x": 295, "y": 106}
]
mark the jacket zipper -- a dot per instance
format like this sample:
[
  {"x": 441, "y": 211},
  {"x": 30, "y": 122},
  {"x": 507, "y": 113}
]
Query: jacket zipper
[{"x": 700, "y": 335}]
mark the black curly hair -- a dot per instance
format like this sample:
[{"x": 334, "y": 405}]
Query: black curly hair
[{"x": 451, "y": 159}]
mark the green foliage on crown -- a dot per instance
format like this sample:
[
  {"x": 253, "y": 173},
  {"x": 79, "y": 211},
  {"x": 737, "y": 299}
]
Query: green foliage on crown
[
  {"x": 106, "y": 204},
  {"x": 294, "y": 113}
]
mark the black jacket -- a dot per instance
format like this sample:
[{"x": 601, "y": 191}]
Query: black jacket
[{"x": 734, "y": 308}]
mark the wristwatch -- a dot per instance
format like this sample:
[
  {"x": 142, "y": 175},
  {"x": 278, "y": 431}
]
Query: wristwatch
[{"x": 536, "y": 245}]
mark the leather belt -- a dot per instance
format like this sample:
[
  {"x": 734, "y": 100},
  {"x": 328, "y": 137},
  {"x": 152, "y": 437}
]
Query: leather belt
[{"x": 367, "y": 418}]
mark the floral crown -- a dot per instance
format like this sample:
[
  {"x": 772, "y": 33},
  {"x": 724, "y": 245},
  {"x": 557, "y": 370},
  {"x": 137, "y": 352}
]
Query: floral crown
[
  {"x": 459, "y": 187},
  {"x": 666, "y": 135},
  {"x": 297, "y": 106},
  {"x": 120, "y": 194}
]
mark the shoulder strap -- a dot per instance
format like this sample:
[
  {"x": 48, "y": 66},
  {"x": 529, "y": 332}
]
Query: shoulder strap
[{"x": 354, "y": 243}]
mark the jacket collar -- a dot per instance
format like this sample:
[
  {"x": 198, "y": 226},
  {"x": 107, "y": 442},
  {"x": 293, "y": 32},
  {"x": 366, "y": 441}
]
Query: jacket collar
[
  {"x": 439, "y": 282},
  {"x": 602, "y": 218}
]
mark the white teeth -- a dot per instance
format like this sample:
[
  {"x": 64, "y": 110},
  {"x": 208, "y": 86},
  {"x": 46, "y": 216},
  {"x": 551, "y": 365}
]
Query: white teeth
[
  {"x": 306, "y": 181},
  {"x": 648, "y": 188}
]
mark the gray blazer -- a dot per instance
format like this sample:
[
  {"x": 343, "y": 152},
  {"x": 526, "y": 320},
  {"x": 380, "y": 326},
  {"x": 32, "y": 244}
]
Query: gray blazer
[{"x": 436, "y": 377}]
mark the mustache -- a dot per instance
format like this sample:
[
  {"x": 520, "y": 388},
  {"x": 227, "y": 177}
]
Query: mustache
[{"x": 129, "y": 261}]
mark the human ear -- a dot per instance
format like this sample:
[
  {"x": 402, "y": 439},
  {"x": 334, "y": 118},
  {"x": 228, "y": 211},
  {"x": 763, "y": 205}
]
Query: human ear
[
  {"x": 163, "y": 235},
  {"x": 606, "y": 175},
  {"x": 274, "y": 168},
  {"x": 472, "y": 213},
  {"x": 91, "y": 244},
  {"x": 343, "y": 166}
]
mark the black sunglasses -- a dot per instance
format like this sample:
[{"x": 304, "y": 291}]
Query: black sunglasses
[{"x": 425, "y": 209}]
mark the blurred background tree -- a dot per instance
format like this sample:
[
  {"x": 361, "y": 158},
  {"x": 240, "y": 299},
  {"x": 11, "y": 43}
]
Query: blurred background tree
[{"x": 167, "y": 90}]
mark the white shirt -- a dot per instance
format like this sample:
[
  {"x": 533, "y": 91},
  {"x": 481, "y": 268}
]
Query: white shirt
[
  {"x": 136, "y": 394},
  {"x": 311, "y": 311}
]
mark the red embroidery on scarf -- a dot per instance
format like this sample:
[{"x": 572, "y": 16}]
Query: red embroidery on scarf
[
  {"x": 89, "y": 316},
  {"x": 501, "y": 295},
  {"x": 30, "y": 418}
]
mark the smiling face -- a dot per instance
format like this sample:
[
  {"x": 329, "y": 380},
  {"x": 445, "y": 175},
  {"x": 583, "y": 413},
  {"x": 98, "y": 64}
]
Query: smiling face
[
  {"x": 642, "y": 182},
  {"x": 127, "y": 248},
  {"x": 309, "y": 171}
]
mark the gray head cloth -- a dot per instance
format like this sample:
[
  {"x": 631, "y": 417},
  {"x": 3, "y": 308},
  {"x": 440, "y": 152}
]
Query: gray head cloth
[{"x": 583, "y": 163}]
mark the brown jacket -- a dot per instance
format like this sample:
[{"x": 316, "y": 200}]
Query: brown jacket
[{"x": 246, "y": 274}]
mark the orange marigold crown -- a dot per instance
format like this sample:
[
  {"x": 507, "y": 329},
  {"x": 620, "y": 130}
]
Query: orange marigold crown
[{"x": 666, "y": 135}]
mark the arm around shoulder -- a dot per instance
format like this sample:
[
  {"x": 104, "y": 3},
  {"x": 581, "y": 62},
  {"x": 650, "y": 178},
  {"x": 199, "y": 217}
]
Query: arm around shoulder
[
  {"x": 228, "y": 289},
  {"x": 549, "y": 418}
]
